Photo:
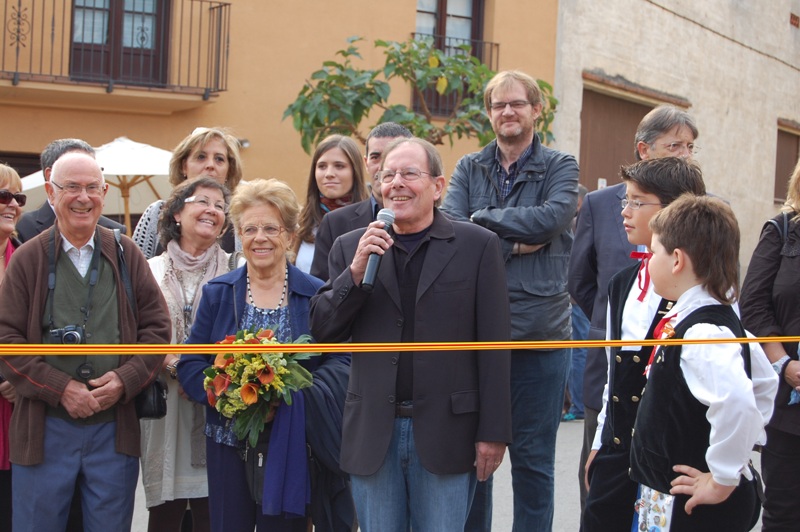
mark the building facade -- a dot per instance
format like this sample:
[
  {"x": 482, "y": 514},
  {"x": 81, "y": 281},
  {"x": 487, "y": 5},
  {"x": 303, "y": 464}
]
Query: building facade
[
  {"x": 734, "y": 66},
  {"x": 153, "y": 70}
]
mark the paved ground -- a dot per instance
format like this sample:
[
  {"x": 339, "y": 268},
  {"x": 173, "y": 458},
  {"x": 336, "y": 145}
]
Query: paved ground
[{"x": 570, "y": 436}]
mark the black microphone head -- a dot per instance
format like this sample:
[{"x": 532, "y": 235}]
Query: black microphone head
[{"x": 386, "y": 216}]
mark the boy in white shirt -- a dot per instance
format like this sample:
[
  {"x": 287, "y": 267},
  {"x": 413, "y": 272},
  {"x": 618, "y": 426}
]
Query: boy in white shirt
[{"x": 704, "y": 405}]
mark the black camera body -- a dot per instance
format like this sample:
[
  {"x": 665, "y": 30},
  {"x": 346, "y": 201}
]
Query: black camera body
[{"x": 69, "y": 334}]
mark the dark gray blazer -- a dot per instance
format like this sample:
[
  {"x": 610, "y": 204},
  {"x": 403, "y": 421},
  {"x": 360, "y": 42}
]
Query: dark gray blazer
[
  {"x": 335, "y": 224},
  {"x": 460, "y": 397},
  {"x": 32, "y": 223},
  {"x": 600, "y": 250}
]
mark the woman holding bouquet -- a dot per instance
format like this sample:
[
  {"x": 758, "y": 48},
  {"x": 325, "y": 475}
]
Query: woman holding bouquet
[
  {"x": 173, "y": 448},
  {"x": 269, "y": 292}
]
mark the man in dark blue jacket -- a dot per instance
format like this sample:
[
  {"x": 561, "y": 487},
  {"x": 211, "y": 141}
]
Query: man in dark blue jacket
[{"x": 527, "y": 194}]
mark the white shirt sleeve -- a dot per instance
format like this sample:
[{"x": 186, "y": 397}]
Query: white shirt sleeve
[{"x": 738, "y": 408}]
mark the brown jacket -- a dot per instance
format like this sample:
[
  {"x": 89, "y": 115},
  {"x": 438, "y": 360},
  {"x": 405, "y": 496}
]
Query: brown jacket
[{"x": 38, "y": 384}]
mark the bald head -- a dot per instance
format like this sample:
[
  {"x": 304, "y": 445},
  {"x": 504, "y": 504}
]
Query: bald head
[{"x": 77, "y": 192}]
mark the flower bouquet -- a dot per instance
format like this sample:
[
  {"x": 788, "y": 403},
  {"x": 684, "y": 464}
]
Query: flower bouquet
[{"x": 248, "y": 387}]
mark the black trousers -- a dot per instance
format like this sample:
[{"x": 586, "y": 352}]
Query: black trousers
[
  {"x": 780, "y": 467},
  {"x": 612, "y": 494},
  {"x": 731, "y": 515},
  {"x": 5, "y": 499}
]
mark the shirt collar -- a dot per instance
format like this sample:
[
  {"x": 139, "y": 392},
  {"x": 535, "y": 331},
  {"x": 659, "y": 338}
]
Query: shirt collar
[
  {"x": 66, "y": 245},
  {"x": 519, "y": 163}
]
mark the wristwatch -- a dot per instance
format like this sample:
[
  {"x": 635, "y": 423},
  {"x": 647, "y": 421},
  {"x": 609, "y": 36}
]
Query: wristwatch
[{"x": 172, "y": 368}]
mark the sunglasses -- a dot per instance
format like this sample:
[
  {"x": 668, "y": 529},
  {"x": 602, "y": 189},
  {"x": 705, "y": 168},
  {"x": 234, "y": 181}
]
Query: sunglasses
[{"x": 6, "y": 197}]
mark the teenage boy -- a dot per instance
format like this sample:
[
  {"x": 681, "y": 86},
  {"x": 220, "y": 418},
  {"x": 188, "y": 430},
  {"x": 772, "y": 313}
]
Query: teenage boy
[
  {"x": 705, "y": 405},
  {"x": 633, "y": 312}
]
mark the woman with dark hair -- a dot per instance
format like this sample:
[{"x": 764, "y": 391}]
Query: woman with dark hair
[
  {"x": 173, "y": 448},
  {"x": 210, "y": 152},
  {"x": 11, "y": 202},
  {"x": 336, "y": 179}
]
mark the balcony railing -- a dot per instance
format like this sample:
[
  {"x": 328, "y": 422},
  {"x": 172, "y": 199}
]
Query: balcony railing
[
  {"x": 487, "y": 53},
  {"x": 175, "y": 45}
]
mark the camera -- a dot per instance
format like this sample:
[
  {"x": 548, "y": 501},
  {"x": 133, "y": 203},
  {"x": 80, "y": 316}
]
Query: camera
[{"x": 69, "y": 334}]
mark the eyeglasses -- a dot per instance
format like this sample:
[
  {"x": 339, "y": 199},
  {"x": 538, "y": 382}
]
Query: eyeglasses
[
  {"x": 408, "y": 174},
  {"x": 272, "y": 231},
  {"x": 6, "y": 196},
  {"x": 94, "y": 190},
  {"x": 636, "y": 204},
  {"x": 205, "y": 201},
  {"x": 678, "y": 147},
  {"x": 516, "y": 105}
]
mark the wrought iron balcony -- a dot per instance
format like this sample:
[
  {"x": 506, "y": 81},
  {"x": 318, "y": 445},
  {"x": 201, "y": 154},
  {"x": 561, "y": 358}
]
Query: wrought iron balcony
[
  {"x": 487, "y": 53},
  {"x": 173, "y": 45}
]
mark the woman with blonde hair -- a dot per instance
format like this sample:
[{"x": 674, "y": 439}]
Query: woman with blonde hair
[
  {"x": 11, "y": 202},
  {"x": 336, "y": 179},
  {"x": 211, "y": 152},
  {"x": 770, "y": 306}
]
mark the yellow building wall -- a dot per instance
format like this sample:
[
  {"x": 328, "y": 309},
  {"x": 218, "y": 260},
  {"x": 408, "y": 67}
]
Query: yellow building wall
[{"x": 274, "y": 47}]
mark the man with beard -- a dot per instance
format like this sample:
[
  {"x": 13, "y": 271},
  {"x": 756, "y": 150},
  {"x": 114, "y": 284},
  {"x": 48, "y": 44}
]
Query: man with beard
[{"x": 527, "y": 194}]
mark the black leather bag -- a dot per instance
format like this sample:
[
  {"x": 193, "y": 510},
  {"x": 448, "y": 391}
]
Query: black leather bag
[
  {"x": 151, "y": 403},
  {"x": 255, "y": 464}
]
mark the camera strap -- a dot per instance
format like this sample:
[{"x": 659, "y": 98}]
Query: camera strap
[{"x": 94, "y": 274}]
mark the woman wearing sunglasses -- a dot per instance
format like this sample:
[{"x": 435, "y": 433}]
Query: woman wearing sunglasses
[{"x": 11, "y": 202}]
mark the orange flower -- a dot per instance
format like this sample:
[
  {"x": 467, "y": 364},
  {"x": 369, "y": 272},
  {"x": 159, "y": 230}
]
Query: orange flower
[
  {"x": 266, "y": 375},
  {"x": 220, "y": 362},
  {"x": 249, "y": 393},
  {"x": 212, "y": 399},
  {"x": 221, "y": 383},
  {"x": 265, "y": 333},
  {"x": 228, "y": 339},
  {"x": 252, "y": 341}
]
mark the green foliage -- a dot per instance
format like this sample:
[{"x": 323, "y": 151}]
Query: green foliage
[
  {"x": 549, "y": 104},
  {"x": 338, "y": 97}
]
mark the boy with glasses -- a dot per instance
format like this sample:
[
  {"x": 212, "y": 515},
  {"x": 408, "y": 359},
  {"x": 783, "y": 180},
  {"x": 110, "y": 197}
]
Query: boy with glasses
[{"x": 633, "y": 312}]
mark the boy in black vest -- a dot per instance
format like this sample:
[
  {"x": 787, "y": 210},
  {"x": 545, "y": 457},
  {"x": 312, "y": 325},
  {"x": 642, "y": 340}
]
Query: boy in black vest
[
  {"x": 633, "y": 312},
  {"x": 705, "y": 405}
]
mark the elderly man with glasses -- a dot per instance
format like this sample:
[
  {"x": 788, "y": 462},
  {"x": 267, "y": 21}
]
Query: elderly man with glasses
[
  {"x": 34, "y": 222},
  {"x": 527, "y": 194},
  {"x": 75, "y": 420}
]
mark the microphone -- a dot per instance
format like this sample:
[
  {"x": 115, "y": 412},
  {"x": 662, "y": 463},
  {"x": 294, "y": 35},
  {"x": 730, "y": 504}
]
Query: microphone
[{"x": 374, "y": 261}]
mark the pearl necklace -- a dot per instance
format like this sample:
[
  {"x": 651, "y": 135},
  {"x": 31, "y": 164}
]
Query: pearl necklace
[{"x": 268, "y": 312}]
